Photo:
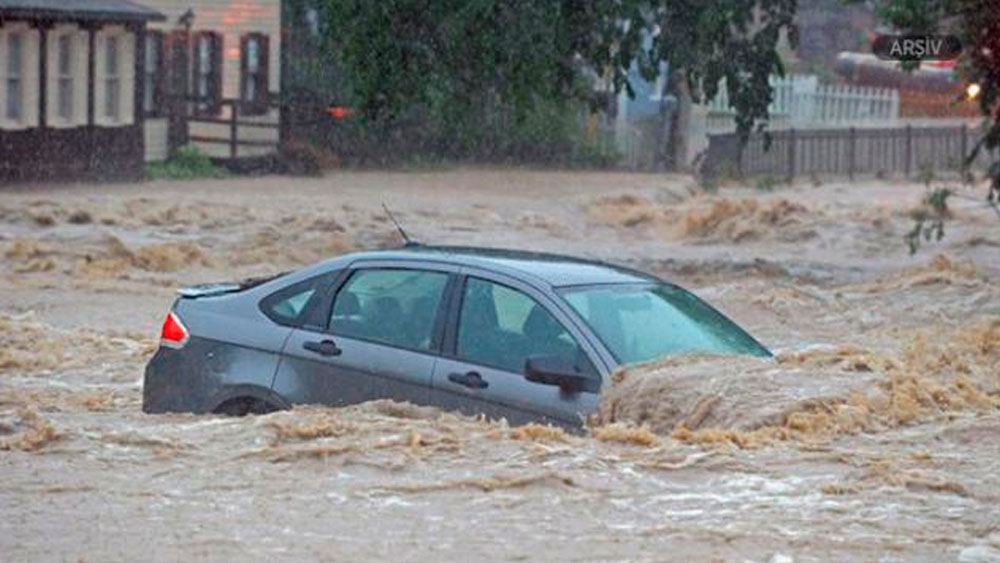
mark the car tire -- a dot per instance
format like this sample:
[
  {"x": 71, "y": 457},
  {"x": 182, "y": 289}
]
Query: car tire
[{"x": 242, "y": 406}]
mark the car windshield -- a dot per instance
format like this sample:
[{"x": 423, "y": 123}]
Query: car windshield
[{"x": 643, "y": 322}]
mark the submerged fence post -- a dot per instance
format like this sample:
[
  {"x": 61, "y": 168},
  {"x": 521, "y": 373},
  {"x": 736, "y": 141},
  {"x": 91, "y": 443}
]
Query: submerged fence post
[
  {"x": 791, "y": 154},
  {"x": 964, "y": 147},
  {"x": 232, "y": 130},
  {"x": 851, "y": 138},
  {"x": 909, "y": 150}
]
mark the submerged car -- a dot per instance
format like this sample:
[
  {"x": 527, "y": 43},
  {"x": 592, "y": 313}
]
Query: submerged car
[{"x": 519, "y": 335}]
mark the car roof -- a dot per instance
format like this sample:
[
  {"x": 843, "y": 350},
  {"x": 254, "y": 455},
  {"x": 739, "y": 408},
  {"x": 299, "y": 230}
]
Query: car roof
[{"x": 553, "y": 269}]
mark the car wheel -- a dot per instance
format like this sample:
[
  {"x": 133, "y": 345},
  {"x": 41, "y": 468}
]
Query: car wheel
[{"x": 242, "y": 406}]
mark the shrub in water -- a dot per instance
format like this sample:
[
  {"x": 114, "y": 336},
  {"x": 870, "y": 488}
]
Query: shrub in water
[{"x": 188, "y": 163}]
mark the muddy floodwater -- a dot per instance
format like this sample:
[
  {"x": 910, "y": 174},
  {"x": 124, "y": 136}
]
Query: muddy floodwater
[{"x": 873, "y": 435}]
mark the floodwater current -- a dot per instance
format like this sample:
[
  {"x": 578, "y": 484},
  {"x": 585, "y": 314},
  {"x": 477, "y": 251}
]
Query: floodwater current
[{"x": 873, "y": 435}]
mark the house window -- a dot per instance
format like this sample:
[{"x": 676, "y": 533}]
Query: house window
[
  {"x": 15, "y": 76},
  {"x": 253, "y": 75},
  {"x": 112, "y": 79},
  {"x": 153, "y": 79},
  {"x": 64, "y": 73},
  {"x": 208, "y": 72}
]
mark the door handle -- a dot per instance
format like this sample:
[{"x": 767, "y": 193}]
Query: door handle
[
  {"x": 471, "y": 380},
  {"x": 323, "y": 348}
]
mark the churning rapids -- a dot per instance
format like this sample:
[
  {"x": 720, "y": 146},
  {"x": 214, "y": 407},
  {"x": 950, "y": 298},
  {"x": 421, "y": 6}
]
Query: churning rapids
[{"x": 874, "y": 434}]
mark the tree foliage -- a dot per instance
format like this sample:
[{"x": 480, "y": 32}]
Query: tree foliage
[{"x": 511, "y": 65}]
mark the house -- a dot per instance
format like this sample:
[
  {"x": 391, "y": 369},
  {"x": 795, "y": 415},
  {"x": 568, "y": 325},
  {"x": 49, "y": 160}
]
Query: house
[
  {"x": 70, "y": 86},
  {"x": 933, "y": 90},
  {"x": 205, "y": 60}
]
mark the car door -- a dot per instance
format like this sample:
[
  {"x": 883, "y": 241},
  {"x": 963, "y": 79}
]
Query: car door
[
  {"x": 379, "y": 340},
  {"x": 496, "y": 323}
]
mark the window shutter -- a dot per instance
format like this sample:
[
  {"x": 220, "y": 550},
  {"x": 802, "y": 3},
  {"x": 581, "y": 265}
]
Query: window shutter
[
  {"x": 169, "y": 40},
  {"x": 82, "y": 42},
  {"x": 160, "y": 78},
  {"x": 100, "y": 55},
  {"x": 127, "y": 77},
  {"x": 178, "y": 71},
  {"x": 3, "y": 78},
  {"x": 215, "y": 78},
  {"x": 196, "y": 66},
  {"x": 52, "y": 77},
  {"x": 31, "y": 91},
  {"x": 262, "y": 73},
  {"x": 245, "y": 104}
]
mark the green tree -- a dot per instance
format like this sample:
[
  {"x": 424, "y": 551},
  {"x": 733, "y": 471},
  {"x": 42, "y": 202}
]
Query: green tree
[{"x": 459, "y": 60}]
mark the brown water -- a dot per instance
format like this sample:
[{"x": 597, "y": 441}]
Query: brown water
[{"x": 873, "y": 435}]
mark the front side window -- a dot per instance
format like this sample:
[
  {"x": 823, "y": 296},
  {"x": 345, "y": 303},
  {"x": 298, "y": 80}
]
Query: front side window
[
  {"x": 65, "y": 70},
  {"x": 15, "y": 77},
  {"x": 112, "y": 79},
  {"x": 643, "y": 322},
  {"x": 398, "y": 307},
  {"x": 502, "y": 327}
]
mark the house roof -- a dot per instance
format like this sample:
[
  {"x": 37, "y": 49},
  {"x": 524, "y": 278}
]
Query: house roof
[{"x": 88, "y": 10}]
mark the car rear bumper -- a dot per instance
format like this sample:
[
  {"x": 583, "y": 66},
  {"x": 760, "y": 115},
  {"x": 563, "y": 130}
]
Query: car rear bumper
[{"x": 176, "y": 382}]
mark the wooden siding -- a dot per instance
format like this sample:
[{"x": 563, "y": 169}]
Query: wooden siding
[
  {"x": 73, "y": 153},
  {"x": 232, "y": 19}
]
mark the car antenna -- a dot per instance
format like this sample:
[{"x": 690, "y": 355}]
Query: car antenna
[{"x": 402, "y": 233}]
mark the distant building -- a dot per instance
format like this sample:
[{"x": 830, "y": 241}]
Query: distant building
[
  {"x": 204, "y": 59},
  {"x": 71, "y": 87},
  {"x": 931, "y": 91}
]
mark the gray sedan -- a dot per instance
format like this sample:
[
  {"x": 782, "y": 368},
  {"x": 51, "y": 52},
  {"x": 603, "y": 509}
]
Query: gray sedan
[{"x": 519, "y": 335}]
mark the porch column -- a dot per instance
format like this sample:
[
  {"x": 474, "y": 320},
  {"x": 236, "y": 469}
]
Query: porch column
[
  {"x": 139, "y": 99},
  {"x": 43, "y": 28},
  {"x": 91, "y": 70}
]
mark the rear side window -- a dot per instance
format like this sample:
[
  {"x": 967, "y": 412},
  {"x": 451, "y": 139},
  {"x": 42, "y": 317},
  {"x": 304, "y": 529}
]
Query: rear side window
[
  {"x": 392, "y": 306},
  {"x": 288, "y": 306}
]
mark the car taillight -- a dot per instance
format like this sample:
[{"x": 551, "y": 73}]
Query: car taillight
[{"x": 174, "y": 333}]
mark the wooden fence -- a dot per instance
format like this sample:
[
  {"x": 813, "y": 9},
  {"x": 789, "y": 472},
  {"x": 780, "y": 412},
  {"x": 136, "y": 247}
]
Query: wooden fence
[
  {"x": 242, "y": 136},
  {"x": 850, "y": 151}
]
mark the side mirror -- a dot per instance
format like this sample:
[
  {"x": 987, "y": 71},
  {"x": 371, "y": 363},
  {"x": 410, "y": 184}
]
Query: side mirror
[{"x": 554, "y": 370}]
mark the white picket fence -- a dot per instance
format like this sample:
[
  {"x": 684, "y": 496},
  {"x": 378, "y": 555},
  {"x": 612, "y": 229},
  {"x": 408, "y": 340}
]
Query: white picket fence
[{"x": 800, "y": 101}]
